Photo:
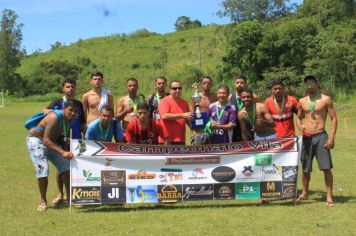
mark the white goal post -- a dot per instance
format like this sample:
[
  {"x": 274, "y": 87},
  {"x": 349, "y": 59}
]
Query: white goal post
[{"x": 2, "y": 104}]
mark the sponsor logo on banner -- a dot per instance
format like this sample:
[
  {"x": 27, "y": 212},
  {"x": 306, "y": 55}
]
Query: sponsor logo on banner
[
  {"x": 224, "y": 191},
  {"x": 197, "y": 173},
  {"x": 113, "y": 195},
  {"x": 272, "y": 172},
  {"x": 142, "y": 174},
  {"x": 85, "y": 195},
  {"x": 193, "y": 160},
  {"x": 249, "y": 174},
  {"x": 271, "y": 189},
  {"x": 223, "y": 174},
  {"x": 264, "y": 159},
  {"x": 113, "y": 178},
  {"x": 169, "y": 193},
  {"x": 87, "y": 178},
  {"x": 169, "y": 177},
  {"x": 289, "y": 173},
  {"x": 289, "y": 189},
  {"x": 142, "y": 193},
  {"x": 248, "y": 190},
  {"x": 198, "y": 192}
]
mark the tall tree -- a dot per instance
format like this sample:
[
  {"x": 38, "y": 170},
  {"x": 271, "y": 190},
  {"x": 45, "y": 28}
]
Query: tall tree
[
  {"x": 10, "y": 53},
  {"x": 184, "y": 23},
  {"x": 261, "y": 10}
]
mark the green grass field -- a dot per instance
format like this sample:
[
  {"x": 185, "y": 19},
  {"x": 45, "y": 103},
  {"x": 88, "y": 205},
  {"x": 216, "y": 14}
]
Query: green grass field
[{"x": 19, "y": 198}]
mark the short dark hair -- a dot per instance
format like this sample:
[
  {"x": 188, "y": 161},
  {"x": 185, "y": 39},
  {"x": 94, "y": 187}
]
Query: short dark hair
[
  {"x": 206, "y": 77},
  {"x": 161, "y": 77},
  {"x": 132, "y": 79},
  {"x": 69, "y": 81},
  {"x": 310, "y": 77},
  {"x": 97, "y": 73},
  {"x": 174, "y": 81},
  {"x": 143, "y": 106},
  {"x": 106, "y": 108},
  {"x": 241, "y": 77},
  {"x": 247, "y": 90},
  {"x": 70, "y": 103},
  {"x": 223, "y": 86},
  {"x": 277, "y": 82}
]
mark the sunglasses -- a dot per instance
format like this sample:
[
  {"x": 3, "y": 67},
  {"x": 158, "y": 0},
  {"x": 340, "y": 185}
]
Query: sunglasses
[
  {"x": 177, "y": 88},
  {"x": 142, "y": 112}
]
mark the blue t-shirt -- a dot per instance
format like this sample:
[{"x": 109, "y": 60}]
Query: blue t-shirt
[{"x": 105, "y": 134}]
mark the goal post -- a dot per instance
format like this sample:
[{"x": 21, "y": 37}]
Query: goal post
[{"x": 2, "y": 104}]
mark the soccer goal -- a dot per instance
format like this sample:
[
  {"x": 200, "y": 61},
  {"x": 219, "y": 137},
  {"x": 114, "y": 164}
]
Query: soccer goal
[{"x": 2, "y": 104}]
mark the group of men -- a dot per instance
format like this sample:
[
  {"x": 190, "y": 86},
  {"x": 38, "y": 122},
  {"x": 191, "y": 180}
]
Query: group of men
[{"x": 163, "y": 116}]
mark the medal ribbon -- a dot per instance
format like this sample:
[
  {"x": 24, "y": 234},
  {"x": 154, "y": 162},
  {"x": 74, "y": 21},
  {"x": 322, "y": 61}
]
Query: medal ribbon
[
  {"x": 101, "y": 131},
  {"x": 219, "y": 114},
  {"x": 133, "y": 103},
  {"x": 253, "y": 120},
  {"x": 280, "y": 111},
  {"x": 65, "y": 128},
  {"x": 238, "y": 102},
  {"x": 158, "y": 98},
  {"x": 312, "y": 106}
]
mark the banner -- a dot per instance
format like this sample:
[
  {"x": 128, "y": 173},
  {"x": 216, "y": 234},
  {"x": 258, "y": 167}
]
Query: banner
[{"x": 112, "y": 173}]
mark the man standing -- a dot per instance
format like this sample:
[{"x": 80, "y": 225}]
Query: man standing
[
  {"x": 207, "y": 97},
  {"x": 155, "y": 99},
  {"x": 312, "y": 113},
  {"x": 42, "y": 146},
  {"x": 105, "y": 128},
  {"x": 142, "y": 130},
  {"x": 235, "y": 99},
  {"x": 282, "y": 107},
  {"x": 77, "y": 124},
  {"x": 175, "y": 114},
  {"x": 126, "y": 107},
  {"x": 257, "y": 115},
  {"x": 96, "y": 98}
]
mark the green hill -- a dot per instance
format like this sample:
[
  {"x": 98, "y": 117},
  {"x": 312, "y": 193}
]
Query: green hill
[{"x": 176, "y": 55}]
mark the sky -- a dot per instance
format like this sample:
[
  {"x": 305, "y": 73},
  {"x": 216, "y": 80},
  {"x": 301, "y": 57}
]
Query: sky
[{"x": 67, "y": 21}]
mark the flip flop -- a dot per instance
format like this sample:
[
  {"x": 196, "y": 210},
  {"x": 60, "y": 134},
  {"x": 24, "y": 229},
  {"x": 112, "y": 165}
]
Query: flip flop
[
  {"x": 300, "y": 198},
  {"x": 41, "y": 208},
  {"x": 57, "y": 201},
  {"x": 330, "y": 204}
]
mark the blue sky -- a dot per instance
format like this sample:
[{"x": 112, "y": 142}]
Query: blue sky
[{"x": 66, "y": 21}]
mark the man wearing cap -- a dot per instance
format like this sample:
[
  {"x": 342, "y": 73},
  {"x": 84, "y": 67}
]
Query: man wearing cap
[{"x": 312, "y": 113}]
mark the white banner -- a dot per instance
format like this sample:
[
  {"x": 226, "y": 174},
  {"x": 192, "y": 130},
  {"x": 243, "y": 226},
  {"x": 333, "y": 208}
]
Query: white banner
[{"x": 111, "y": 173}]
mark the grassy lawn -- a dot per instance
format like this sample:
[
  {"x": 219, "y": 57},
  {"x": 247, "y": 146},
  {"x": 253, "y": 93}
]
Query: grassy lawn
[{"x": 19, "y": 198}]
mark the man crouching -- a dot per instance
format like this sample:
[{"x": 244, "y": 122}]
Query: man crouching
[{"x": 43, "y": 144}]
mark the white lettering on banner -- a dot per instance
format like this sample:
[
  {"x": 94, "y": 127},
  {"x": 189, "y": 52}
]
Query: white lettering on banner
[{"x": 196, "y": 171}]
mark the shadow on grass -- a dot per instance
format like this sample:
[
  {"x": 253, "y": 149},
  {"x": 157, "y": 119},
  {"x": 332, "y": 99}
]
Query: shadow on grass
[{"x": 182, "y": 206}]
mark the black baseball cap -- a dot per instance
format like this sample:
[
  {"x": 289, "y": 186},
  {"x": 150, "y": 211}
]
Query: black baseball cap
[{"x": 310, "y": 77}]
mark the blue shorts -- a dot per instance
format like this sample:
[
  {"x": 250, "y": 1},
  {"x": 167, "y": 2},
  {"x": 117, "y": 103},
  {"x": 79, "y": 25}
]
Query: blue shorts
[
  {"x": 40, "y": 154},
  {"x": 268, "y": 136}
]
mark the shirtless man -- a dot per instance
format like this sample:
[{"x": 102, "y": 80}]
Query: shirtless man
[
  {"x": 126, "y": 107},
  {"x": 42, "y": 145},
  {"x": 312, "y": 113},
  {"x": 96, "y": 98},
  {"x": 235, "y": 99},
  {"x": 207, "y": 97},
  {"x": 257, "y": 115}
]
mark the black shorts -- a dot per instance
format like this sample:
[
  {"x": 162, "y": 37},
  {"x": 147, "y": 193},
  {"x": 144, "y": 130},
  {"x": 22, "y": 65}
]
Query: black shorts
[{"x": 314, "y": 146}]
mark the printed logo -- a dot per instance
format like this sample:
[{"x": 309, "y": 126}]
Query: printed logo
[
  {"x": 85, "y": 195},
  {"x": 223, "y": 174},
  {"x": 224, "y": 191},
  {"x": 289, "y": 189},
  {"x": 193, "y": 160},
  {"x": 169, "y": 193},
  {"x": 170, "y": 177},
  {"x": 198, "y": 173},
  {"x": 263, "y": 159},
  {"x": 271, "y": 189},
  {"x": 113, "y": 195},
  {"x": 289, "y": 173},
  {"x": 248, "y": 190},
  {"x": 247, "y": 171},
  {"x": 197, "y": 192},
  {"x": 113, "y": 178},
  {"x": 87, "y": 177},
  {"x": 142, "y": 174},
  {"x": 142, "y": 193},
  {"x": 249, "y": 174},
  {"x": 81, "y": 147},
  {"x": 272, "y": 172}
]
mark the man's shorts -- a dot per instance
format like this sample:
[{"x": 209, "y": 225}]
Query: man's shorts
[
  {"x": 40, "y": 154},
  {"x": 314, "y": 146}
]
